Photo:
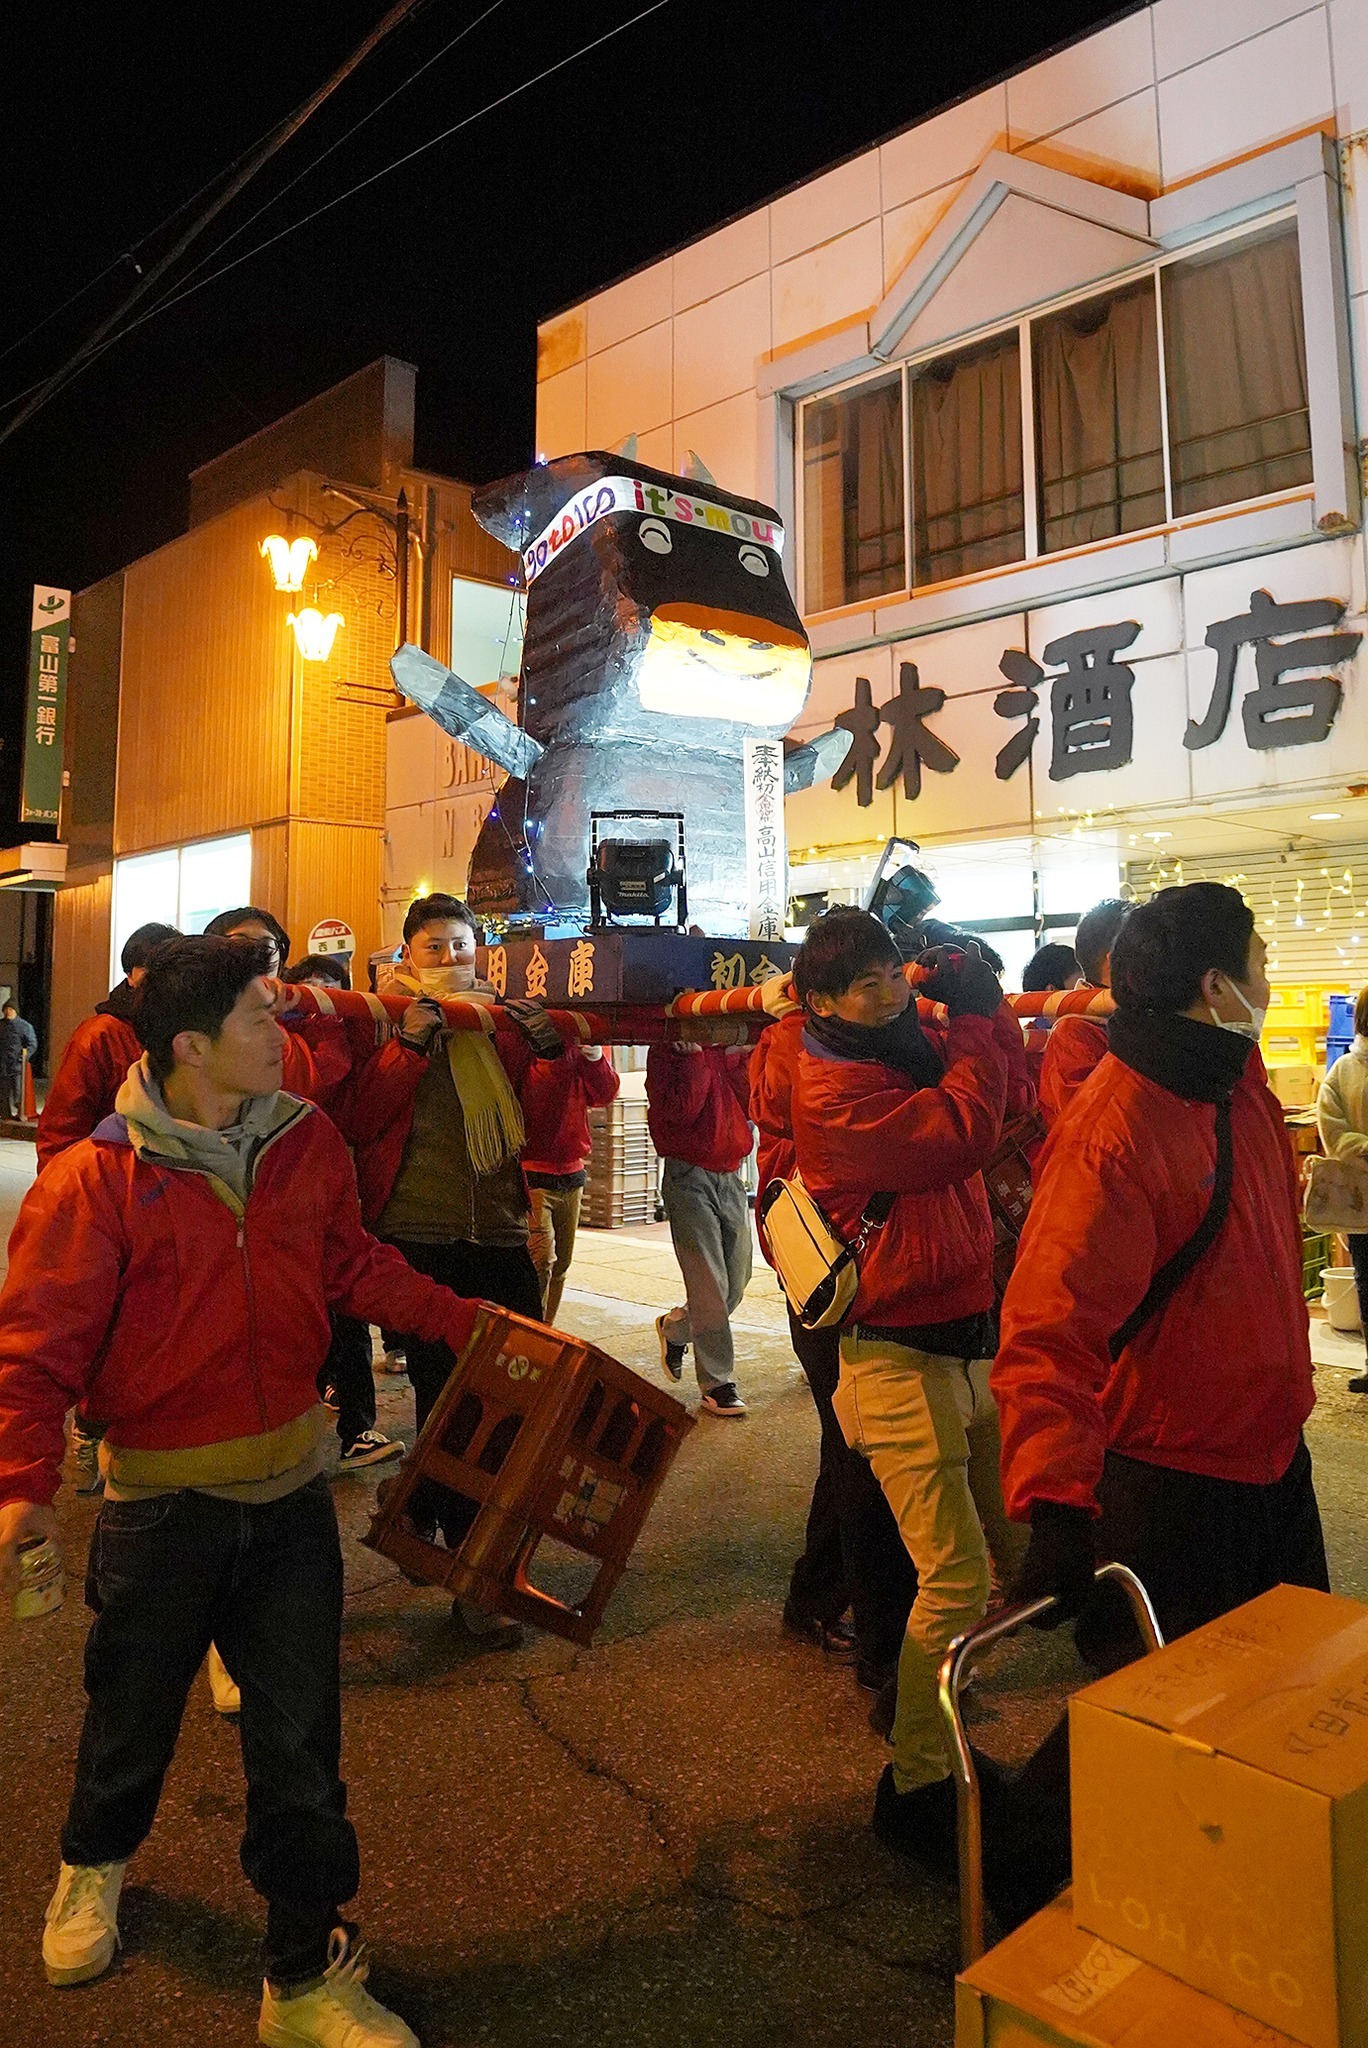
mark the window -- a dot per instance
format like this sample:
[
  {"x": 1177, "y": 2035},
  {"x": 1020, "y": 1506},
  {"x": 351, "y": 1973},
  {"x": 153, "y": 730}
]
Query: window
[
  {"x": 1239, "y": 425},
  {"x": 1178, "y": 392},
  {"x": 183, "y": 886},
  {"x": 968, "y": 509},
  {"x": 853, "y": 495},
  {"x": 486, "y": 631},
  {"x": 1099, "y": 433}
]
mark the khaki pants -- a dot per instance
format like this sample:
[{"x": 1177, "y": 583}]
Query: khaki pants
[
  {"x": 551, "y": 1241},
  {"x": 929, "y": 1428}
]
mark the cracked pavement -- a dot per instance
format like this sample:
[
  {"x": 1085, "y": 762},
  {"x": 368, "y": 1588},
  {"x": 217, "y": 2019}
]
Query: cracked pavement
[{"x": 659, "y": 1841}]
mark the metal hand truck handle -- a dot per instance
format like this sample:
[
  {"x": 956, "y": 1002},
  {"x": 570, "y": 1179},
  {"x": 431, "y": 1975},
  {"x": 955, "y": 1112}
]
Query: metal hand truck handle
[{"x": 956, "y": 1665}]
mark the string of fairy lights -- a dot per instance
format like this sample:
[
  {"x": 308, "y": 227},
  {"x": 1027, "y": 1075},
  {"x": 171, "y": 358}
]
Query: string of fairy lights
[{"x": 1327, "y": 902}]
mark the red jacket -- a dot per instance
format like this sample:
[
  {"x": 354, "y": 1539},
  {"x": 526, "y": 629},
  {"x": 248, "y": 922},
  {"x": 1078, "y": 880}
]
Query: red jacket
[
  {"x": 698, "y": 1105},
  {"x": 773, "y": 1071},
  {"x": 94, "y": 1066},
  {"x": 1075, "y": 1046},
  {"x": 861, "y": 1129},
  {"x": 1220, "y": 1383},
  {"x": 557, "y": 1096},
  {"x": 134, "y": 1290}
]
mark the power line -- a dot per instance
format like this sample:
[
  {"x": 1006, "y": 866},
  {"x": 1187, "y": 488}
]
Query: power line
[{"x": 175, "y": 297}]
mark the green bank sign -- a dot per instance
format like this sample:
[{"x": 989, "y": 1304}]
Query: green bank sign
[{"x": 49, "y": 643}]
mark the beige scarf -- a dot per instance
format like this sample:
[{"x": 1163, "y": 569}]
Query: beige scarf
[{"x": 493, "y": 1115}]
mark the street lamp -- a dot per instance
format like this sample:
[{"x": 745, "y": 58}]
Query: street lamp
[
  {"x": 289, "y": 559},
  {"x": 314, "y": 635}
]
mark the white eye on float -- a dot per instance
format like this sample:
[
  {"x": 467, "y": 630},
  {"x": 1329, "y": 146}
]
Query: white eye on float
[
  {"x": 756, "y": 560},
  {"x": 655, "y": 535}
]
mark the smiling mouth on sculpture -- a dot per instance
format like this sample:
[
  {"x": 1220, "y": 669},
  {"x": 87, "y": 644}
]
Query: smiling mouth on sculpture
[{"x": 703, "y": 663}]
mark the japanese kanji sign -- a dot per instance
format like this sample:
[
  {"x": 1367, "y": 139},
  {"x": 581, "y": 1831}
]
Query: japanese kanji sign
[
  {"x": 766, "y": 854},
  {"x": 1277, "y": 713},
  {"x": 45, "y": 717}
]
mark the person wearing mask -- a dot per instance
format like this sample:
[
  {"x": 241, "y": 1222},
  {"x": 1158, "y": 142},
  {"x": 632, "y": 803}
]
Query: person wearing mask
[
  {"x": 853, "y": 1557},
  {"x": 18, "y": 1044},
  {"x": 99, "y": 1053},
  {"x": 1050, "y": 969},
  {"x": 891, "y": 1129},
  {"x": 557, "y": 1096},
  {"x": 1153, "y": 1381},
  {"x": 698, "y": 1110},
  {"x": 346, "y": 1381},
  {"x": 1342, "y": 1119},
  {"x": 437, "y": 1130},
  {"x": 1076, "y": 1044},
  {"x": 126, "y": 1284}
]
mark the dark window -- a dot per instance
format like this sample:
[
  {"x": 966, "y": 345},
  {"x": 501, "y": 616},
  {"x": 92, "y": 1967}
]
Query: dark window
[
  {"x": 968, "y": 509},
  {"x": 853, "y": 495},
  {"x": 1235, "y": 358},
  {"x": 1099, "y": 430}
]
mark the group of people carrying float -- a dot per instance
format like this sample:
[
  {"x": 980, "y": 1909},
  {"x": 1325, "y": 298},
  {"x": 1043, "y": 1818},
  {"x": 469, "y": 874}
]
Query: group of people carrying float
[{"x": 176, "y": 1270}]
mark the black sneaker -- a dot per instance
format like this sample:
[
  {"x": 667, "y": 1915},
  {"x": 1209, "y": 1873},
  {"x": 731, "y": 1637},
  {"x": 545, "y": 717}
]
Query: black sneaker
[
  {"x": 671, "y": 1355},
  {"x": 1358, "y": 1384},
  {"x": 836, "y": 1638},
  {"x": 724, "y": 1400},
  {"x": 370, "y": 1448}
]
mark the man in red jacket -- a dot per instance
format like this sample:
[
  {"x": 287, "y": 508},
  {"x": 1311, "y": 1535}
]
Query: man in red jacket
[
  {"x": 97, "y": 1056},
  {"x": 557, "y": 1096},
  {"x": 175, "y": 1271},
  {"x": 1076, "y": 1044},
  {"x": 891, "y": 1132},
  {"x": 698, "y": 1105},
  {"x": 1156, "y": 1423}
]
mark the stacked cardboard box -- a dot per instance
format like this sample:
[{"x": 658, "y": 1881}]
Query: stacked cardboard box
[{"x": 1220, "y": 1848}]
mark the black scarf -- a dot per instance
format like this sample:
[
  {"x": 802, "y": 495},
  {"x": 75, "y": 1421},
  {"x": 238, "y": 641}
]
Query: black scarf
[
  {"x": 902, "y": 1045},
  {"x": 121, "y": 1002},
  {"x": 1197, "y": 1061}
]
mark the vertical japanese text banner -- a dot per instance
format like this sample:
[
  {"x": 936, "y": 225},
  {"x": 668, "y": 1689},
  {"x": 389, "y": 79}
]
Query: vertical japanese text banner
[
  {"x": 45, "y": 716},
  {"x": 766, "y": 847}
]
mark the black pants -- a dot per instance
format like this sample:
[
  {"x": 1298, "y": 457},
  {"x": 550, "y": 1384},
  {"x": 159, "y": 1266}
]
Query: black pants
[
  {"x": 1358, "y": 1252},
  {"x": 11, "y": 1091},
  {"x": 1200, "y": 1547},
  {"x": 166, "y": 1578},
  {"x": 853, "y": 1556},
  {"x": 347, "y": 1368},
  {"x": 502, "y": 1274}
]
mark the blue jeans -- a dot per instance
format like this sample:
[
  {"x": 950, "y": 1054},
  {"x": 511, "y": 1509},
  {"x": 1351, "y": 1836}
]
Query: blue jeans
[{"x": 167, "y": 1577}]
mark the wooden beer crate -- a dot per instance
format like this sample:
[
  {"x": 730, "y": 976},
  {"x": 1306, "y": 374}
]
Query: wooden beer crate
[{"x": 546, "y": 1437}]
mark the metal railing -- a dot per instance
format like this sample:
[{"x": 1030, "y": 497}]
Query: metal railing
[{"x": 956, "y": 1665}]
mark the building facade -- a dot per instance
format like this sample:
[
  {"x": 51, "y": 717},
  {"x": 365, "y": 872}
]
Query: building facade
[{"x": 1061, "y": 395}]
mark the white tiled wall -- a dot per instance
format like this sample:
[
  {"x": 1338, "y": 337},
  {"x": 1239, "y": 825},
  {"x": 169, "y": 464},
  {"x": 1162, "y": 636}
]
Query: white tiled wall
[{"x": 1159, "y": 97}]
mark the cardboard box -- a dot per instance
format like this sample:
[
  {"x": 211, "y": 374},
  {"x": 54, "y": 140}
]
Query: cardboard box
[
  {"x": 1220, "y": 1812},
  {"x": 1050, "y": 1983}
]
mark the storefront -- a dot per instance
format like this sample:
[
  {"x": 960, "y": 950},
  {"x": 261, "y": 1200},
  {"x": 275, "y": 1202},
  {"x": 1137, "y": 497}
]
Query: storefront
[{"x": 1056, "y": 393}]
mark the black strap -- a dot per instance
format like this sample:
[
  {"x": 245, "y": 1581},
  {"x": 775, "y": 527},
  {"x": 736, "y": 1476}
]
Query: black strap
[{"x": 1175, "y": 1270}]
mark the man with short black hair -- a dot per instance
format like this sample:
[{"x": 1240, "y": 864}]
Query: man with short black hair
[
  {"x": 1076, "y": 1044},
  {"x": 99, "y": 1052},
  {"x": 176, "y": 1269},
  {"x": 1152, "y": 1383}
]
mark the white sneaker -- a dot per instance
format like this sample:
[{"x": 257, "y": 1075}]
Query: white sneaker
[
  {"x": 338, "y": 2013},
  {"x": 81, "y": 1925},
  {"x": 227, "y": 1698}
]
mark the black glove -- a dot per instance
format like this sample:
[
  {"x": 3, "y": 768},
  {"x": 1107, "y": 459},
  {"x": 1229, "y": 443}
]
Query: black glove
[
  {"x": 1060, "y": 1559},
  {"x": 537, "y": 1028},
  {"x": 962, "y": 980},
  {"x": 420, "y": 1024}
]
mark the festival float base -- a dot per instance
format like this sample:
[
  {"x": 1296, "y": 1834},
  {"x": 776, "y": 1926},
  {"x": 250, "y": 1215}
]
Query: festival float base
[{"x": 628, "y": 964}]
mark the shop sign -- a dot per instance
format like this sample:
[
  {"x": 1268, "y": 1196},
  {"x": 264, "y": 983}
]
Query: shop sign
[
  {"x": 1091, "y": 714},
  {"x": 45, "y": 715},
  {"x": 331, "y": 935},
  {"x": 766, "y": 860}
]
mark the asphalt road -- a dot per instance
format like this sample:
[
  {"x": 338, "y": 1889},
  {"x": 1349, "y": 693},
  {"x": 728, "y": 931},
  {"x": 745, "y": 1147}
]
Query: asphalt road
[{"x": 660, "y": 1842}]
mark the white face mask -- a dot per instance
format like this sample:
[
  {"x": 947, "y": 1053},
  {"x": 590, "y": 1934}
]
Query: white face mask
[
  {"x": 1249, "y": 1026},
  {"x": 447, "y": 981}
]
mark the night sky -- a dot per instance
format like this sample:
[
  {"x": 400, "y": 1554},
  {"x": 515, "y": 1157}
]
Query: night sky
[{"x": 114, "y": 116}]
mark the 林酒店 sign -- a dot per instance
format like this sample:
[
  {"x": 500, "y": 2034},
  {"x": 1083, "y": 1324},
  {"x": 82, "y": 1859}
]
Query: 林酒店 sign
[
  {"x": 45, "y": 714},
  {"x": 1237, "y": 682}
]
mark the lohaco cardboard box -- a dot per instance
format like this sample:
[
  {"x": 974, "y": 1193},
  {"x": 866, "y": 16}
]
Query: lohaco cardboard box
[
  {"x": 1050, "y": 1983},
  {"x": 1220, "y": 1812}
]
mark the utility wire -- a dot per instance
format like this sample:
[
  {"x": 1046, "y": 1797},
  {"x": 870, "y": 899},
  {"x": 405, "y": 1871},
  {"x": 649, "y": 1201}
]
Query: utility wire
[
  {"x": 106, "y": 340},
  {"x": 246, "y": 169}
]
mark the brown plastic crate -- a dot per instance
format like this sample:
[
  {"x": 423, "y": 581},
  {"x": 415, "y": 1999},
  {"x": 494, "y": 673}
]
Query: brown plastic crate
[{"x": 546, "y": 1436}]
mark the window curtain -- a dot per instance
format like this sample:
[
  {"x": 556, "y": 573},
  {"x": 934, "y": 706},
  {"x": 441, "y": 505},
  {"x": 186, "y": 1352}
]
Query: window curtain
[
  {"x": 853, "y": 496},
  {"x": 1235, "y": 357},
  {"x": 1099, "y": 431},
  {"x": 966, "y": 462}
]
